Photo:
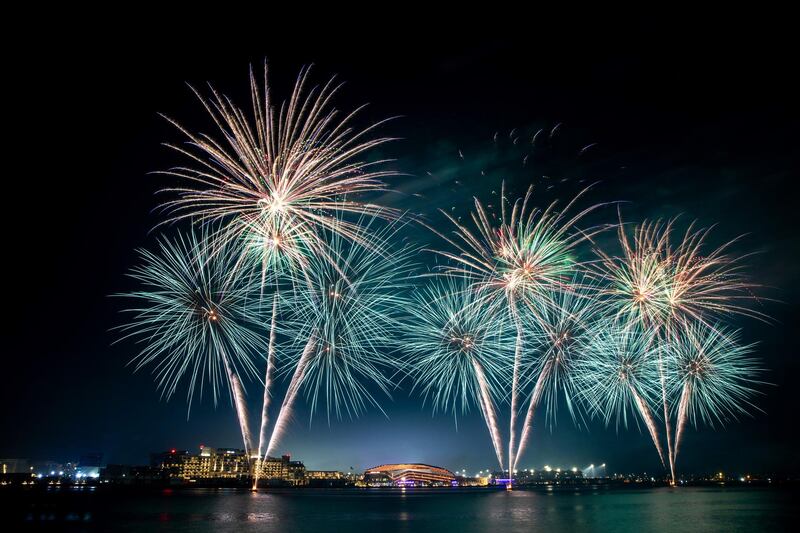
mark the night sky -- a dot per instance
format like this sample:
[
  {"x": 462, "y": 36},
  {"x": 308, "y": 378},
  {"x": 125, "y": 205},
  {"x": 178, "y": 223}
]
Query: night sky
[{"x": 705, "y": 128}]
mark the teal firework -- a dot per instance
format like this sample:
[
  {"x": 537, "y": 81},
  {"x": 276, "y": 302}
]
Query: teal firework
[
  {"x": 711, "y": 376},
  {"x": 618, "y": 377},
  {"x": 460, "y": 352},
  {"x": 557, "y": 332},
  {"x": 343, "y": 323},
  {"x": 192, "y": 319}
]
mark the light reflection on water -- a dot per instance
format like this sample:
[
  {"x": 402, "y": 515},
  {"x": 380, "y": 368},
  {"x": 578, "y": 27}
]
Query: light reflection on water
[{"x": 552, "y": 511}]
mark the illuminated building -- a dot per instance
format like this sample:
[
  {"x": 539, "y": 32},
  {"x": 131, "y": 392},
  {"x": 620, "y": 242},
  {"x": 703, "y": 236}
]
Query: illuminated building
[
  {"x": 408, "y": 475},
  {"x": 326, "y": 478},
  {"x": 324, "y": 474},
  {"x": 211, "y": 463},
  {"x": 282, "y": 471},
  {"x": 477, "y": 481}
]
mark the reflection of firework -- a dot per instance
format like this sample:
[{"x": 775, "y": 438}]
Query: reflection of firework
[
  {"x": 458, "y": 352},
  {"x": 192, "y": 318},
  {"x": 344, "y": 317},
  {"x": 619, "y": 374},
  {"x": 710, "y": 375}
]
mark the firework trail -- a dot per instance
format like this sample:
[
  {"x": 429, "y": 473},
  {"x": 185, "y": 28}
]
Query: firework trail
[
  {"x": 262, "y": 435},
  {"x": 291, "y": 393},
  {"x": 649, "y": 421},
  {"x": 711, "y": 375},
  {"x": 268, "y": 377},
  {"x": 528, "y": 426},
  {"x": 191, "y": 316},
  {"x": 488, "y": 411},
  {"x": 241, "y": 407},
  {"x": 347, "y": 313},
  {"x": 457, "y": 351},
  {"x": 519, "y": 261}
]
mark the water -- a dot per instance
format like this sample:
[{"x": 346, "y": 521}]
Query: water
[{"x": 462, "y": 510}]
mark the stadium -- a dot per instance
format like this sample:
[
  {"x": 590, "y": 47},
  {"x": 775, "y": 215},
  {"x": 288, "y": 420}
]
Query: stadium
[{"x": 408, "y": 475}]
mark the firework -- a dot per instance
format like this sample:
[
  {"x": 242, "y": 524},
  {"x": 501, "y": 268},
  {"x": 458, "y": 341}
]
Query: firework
[
  {"x": 617, "y": 377},
  {"x": 560, "y": 328},
  {"x": 279, "y": 179},
  {"x": 288, "y": 173},
  {"x": 711, "y": 375},
  {"x": 458, "y": 352},
  {"x": 345, "y": 315},
  {"x": 658, "y": 284},
  {"x": 522, "y": 259},
  {"x": 192, "y": 318}
]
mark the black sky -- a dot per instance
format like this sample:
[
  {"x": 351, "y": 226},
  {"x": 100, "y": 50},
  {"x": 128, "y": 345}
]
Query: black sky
[{"x": 703, "y": 125}]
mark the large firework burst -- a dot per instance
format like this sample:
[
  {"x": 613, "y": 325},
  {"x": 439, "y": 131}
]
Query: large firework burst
[
  {"x": 284, "y": 172},
  {"x": 661, "y": 284},
  {"x": 192, "y": 318},
  {"x": 458, "y": 351}
]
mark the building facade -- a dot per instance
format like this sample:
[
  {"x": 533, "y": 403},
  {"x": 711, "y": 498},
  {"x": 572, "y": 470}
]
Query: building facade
[{"x": 282, "y": 471}]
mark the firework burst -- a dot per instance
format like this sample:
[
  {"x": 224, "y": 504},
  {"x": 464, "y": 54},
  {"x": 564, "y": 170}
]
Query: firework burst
[
  {"x": 192, "y": 318},
  {"x": 288, "y": 173},
  {"x": 663, "y": 285}
]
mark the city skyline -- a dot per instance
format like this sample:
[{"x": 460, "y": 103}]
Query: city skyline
[{"x": 641, "y": 152}]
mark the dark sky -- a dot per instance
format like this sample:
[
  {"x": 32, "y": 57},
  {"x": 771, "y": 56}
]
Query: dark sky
[{"x": 704, "y": 126}]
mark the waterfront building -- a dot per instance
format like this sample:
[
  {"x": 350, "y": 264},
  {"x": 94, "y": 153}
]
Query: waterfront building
[
  {"x": 324, "y": 474},
  {"x": 282, "y": 471},
  {"x": 327, "y": 478},
  {"x": 89, "y": 465},
  {"x": 408, "y": 475},
  {"x": 210, "y": 463}
]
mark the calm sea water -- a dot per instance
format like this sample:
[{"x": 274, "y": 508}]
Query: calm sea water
[{"x": 462, "y": 510}]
